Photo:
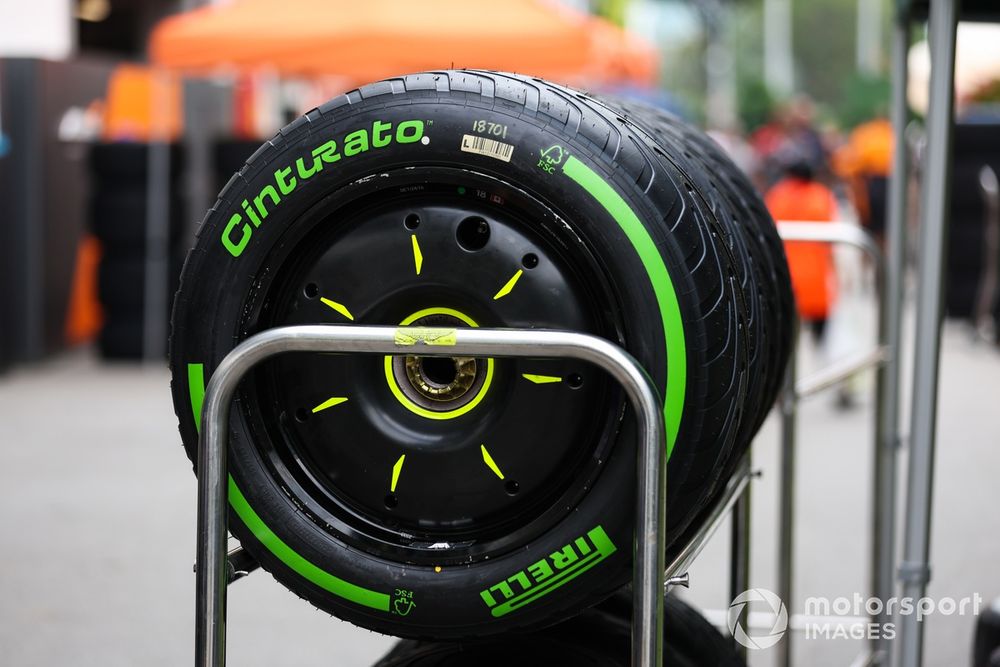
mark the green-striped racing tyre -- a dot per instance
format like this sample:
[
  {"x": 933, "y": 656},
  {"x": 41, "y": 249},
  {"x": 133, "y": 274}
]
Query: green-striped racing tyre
[{"x": 461, "y": 497}]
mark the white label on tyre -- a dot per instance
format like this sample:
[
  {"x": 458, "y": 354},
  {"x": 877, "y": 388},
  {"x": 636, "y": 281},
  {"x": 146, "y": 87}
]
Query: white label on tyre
[{"x": 487, "y": 147}]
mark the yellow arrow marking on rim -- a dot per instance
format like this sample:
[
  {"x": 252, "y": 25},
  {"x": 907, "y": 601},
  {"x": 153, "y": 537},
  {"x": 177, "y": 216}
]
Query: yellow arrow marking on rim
[
  {"x": 329, "y": 403},
  {"x": 339, "y": 307},
  {"x": 540, "y": 379},
  {"x": 506, "y": 289},
  {"x": 418, "y": 257},
  {"x": 490, "y": 462},
  {"x": 396, "y": 469}
]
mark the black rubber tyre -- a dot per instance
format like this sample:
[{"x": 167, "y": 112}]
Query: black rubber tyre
[
  {"x": 118, "y": 218},
  {"x": 598, "y": 637},
  {"x": 760, "y": 254},
  {"x": 120, "y": 337},
  {"x": 122, "y": 162},
  {"x": 754, "y": 239},
  {"x": 986, "y": 642},
  {"x": 502, "y": 175},
  {"x": 229, "y": 156},
  {"x": 121, "y": 282}
]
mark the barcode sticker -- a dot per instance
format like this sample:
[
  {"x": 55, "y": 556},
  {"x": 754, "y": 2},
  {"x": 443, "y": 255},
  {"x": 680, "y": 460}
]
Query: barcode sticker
[{"x": 487, "y": 147}]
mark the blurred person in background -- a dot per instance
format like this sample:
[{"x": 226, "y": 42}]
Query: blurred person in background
[
  {"x": 804, "y": 135},
  {"x": 792, "y": 130},
  {"x": 799, "y": 196},
  {"x": 737, "y": 148},
  {"x": 864, "y": 162},
  {"x": 766, "y": 141}
]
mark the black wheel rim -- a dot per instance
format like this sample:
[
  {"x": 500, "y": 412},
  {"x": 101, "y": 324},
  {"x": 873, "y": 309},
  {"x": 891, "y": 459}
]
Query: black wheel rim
[{"x": 434, "y": 460}]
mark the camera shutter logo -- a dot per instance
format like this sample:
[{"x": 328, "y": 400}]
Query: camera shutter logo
[{"x": 758, "y": 640}]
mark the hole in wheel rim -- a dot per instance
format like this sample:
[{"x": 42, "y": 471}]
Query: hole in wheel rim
[
  {"x": 440, "y": 371},
  {"x": 473, "y": 233}
]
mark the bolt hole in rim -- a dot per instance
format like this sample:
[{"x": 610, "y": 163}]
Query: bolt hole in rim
[
  {"x": 473, "y": 233},
  {"x": 517, "y": 455}
]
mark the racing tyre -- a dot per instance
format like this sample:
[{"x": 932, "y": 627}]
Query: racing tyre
[
  {"x": 121, "y": 282},
  {"x": 118, "y": 218},
  {"x": 120, "y": 337},
  {"x": 599, "y": 637},
  {"x": 464, "y": 497},
  {"x": 118, "y": 163}
]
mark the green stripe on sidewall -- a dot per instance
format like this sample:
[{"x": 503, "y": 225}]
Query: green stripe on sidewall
[
  {"x": 659, "y": 278},
  {"x": 266, "y": 536},
  {"x": 196, "y": 387},
  {"x": 292, "y": 559}
]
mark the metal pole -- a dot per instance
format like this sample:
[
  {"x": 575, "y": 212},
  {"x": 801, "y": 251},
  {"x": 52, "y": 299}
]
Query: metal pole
[
  {"x": 884, "y": 476},
  {"x": 868, "y": 32},
  {"x": 786, "y": 501},
  {"x": 212, "y": 567},
  {"x": 720, "y": 72},
  {"x": 839, "y": 371},
  {"x": 739, "y": 552},
  {"x": 779, "y": 72},
  {"x": 986, "y": 293},
  {"x": 834, "y": 232},
  {"x": 914, "y": 571},
  {"x": 157, "y": 265},
  {"x": 735, "y": 488}
]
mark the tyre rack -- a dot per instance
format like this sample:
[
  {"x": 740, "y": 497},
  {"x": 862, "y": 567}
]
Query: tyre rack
[
  {"x": 652, "y": 577},
  {"x": 883, "y": 495},
  {"x": 215, "y": 570}
]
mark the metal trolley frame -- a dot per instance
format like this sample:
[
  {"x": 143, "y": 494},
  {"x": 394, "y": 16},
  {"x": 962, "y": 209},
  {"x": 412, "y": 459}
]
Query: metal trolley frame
[{"x": 215, "y": 570}]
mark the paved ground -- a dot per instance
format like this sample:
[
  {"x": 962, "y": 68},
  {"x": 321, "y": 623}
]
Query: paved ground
[{"x": 97, "y": 525}]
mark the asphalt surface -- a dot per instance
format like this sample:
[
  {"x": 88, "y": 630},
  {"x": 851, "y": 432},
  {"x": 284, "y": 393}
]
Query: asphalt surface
[{"x": 97, "y": 508}]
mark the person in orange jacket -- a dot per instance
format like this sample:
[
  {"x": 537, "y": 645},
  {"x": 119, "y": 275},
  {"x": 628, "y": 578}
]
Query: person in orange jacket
[
  {"x": 865, "y": 163},
  {"x": 798, "y": 196}
]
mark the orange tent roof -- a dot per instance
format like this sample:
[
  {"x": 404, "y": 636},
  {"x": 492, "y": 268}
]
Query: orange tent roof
[{"x": 364, "y": 40}]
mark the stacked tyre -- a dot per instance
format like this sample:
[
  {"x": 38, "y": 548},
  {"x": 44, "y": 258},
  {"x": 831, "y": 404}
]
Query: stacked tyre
[
  {"x": 464, "y": 497},
  {"x": 976, "y": 147},
  {"x": 228, "y": 157},
  {"x": 599, "y": 637},
  {"x": 118, "y": 218}
]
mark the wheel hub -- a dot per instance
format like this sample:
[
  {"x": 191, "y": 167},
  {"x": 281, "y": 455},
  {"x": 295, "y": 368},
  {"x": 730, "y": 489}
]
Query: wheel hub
[{"x": 438, "y": 387}]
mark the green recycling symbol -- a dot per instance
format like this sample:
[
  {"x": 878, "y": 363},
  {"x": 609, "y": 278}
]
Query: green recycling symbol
[
  {"x": 403, "y": 603},
  {"x": 550, "y": 158}
]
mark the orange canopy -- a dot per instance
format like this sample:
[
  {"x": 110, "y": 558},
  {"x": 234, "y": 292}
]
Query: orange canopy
[
  {"x": 141, "y": 105},
  {"x": 365, "y": 40}
]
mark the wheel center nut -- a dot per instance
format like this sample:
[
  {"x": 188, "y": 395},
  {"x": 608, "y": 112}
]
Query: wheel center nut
[
  {"x": 441, "y": 378},
  {"x": 438, "y": 387}
]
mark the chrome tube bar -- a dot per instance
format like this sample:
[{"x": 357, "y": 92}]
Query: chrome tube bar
[
  {"x": 887, "y": 397},
  {"x": 734, "y": 490},
  {"x": 838, "y": 371},
  {"x": 914, "y": 571},
  {"x": 212, "y": 573}
]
